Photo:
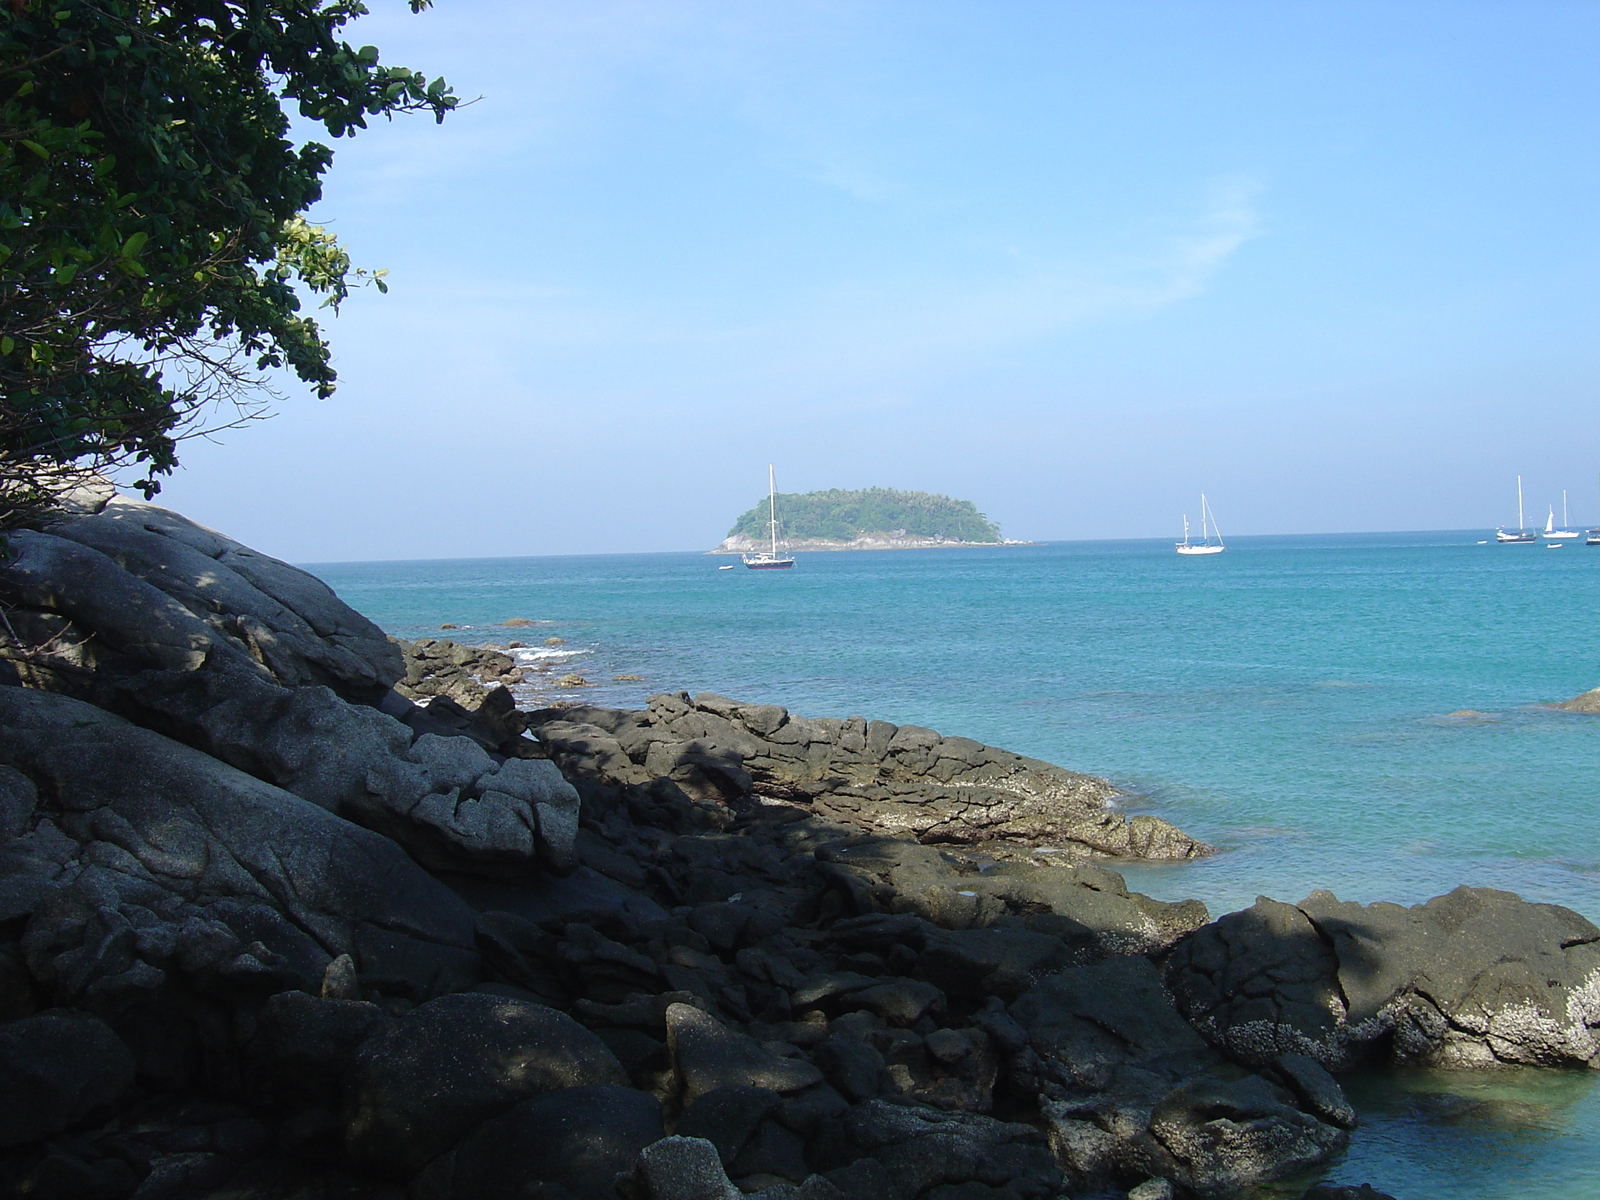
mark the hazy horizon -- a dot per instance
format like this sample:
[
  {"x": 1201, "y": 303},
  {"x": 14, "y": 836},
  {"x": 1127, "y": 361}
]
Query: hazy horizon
[
  {"x": 707, "y": 551},
  {"x": 1331, "y": 263}
]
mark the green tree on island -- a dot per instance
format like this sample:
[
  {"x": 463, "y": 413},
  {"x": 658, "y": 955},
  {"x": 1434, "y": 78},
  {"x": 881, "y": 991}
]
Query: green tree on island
[
  {"x": 152, "y": 230},
  {"x": 840, "y": 515}
]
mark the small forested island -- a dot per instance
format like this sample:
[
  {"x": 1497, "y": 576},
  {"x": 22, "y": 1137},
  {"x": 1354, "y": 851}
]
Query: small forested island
[{"x": 863, "y": 519}]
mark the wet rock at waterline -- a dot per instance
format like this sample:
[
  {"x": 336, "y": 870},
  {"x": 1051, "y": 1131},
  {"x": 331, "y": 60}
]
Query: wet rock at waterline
[{"x": 1475, "y": 978}]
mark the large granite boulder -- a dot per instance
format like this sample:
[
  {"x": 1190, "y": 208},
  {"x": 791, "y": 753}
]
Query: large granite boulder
[
  {"x": 144, "y": 860},
  {"x": 898, "y": 781},
  {"x": 256, "y": 663},
  {"x": 1474, "y": 978},
  {"x": 1139, "y": 1094},
  {"x": 203, "y": 594}
]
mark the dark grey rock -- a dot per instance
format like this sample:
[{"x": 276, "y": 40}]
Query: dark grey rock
[
  {"x": 455, "y": 1062},
  {"x": 901, "y": 1002},
  {"x": 257, "y": 663},
  {"x": 727, "y": 1116},
  {"x": 305, "y": 1046},
  {"x": 1263, "y": 982},
  {"x": 579, "y": 1138},
  {"x": 1147, "y": 1097},
  {"x": 922, "y": 1148},
  {"x": 854, "y": 1067},
  {"x": 771, "y": 1150},
  {"x": 1091, "y": 1018},
  {"x": 707, "y": 1056},
  {"x": 864, "y": 1179},
  {"x": 18, "y": 799},
  {"x": 901, "y": 782},
  {"x": 279, "y": 1177},
  {"x": 55, "y": 1070},
  {"x": 1475, "y": 978},
  {"x": 180, "y": 863},
  {"x": 684, "y": 1168},
  {"x": 285, "y": 617},
  {"x": 1318, "y": 1091},
  {"x": 1097, "y": 914}
]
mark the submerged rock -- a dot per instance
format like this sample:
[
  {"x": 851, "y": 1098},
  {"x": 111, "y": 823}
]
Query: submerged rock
[{"x": 1584, "y": 702}]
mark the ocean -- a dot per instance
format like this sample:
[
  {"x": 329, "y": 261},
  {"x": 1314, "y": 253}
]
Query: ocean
[{"x": 1366, "y": 713}]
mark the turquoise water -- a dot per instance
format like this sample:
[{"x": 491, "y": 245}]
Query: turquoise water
[{"x": 1364, "y": 713}]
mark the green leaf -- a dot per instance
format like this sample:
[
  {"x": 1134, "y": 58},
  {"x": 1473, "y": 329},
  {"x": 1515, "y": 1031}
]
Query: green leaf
[
  {"x": 134, "y": 244},
  {"x": 37, "y": 149}
]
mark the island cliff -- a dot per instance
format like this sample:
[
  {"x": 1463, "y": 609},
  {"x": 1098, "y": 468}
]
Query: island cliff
[{"x": 269, "y": 929}]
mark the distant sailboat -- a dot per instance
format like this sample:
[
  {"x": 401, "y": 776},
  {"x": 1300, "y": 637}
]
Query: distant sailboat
[
  {"x": 1566, "y": 531},
  {"x": 1592, "y": 538},
  {"x": 1523, "y": 535},
  {"x": 1208, "y": 526},
  {"x": 770, "y": 560}
]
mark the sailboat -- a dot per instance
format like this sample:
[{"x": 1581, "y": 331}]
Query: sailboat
[
  {"x": 1208, "y": 526},
  {"x": 770, "y": 560},
  {"x": 1551, "y": 533},
  {"x": 1522, "y": 535}
]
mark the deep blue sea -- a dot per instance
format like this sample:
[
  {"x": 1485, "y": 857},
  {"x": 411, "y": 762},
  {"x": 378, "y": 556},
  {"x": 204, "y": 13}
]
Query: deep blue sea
[{"x": 1365, "y": 712}]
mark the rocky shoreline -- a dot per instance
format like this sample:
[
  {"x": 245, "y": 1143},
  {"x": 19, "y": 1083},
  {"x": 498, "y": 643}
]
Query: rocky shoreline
[{"x": 290, "y": 910}]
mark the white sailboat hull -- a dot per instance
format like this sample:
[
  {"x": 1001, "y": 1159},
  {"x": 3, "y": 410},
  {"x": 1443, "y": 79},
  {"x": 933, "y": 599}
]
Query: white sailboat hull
[
  {"x": 769, "y": 560},
  {"x": 1208, "y": 527}
]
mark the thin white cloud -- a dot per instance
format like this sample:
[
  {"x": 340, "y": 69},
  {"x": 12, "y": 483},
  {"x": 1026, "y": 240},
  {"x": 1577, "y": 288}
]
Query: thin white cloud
[{"x": 877, "y": 341}]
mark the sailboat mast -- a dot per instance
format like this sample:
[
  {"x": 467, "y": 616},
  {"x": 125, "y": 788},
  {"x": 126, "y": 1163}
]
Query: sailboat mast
[
  {"x": 1205, "y": 534},
  {"x": 1521, "y": 524},
  {"x": 1565, "y": 522},
  {"x": 772, "y": 510}
]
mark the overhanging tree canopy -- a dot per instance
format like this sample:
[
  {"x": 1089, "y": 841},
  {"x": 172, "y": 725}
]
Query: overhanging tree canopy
[{"x": 151, "y": 201}]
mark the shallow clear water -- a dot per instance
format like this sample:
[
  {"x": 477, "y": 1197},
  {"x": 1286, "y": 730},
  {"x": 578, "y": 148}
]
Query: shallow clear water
[{"x": 1364, "y": 713}]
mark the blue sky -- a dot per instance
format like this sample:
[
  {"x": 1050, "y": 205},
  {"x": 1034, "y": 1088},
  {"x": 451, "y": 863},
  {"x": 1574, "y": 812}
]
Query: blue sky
[{"x": 1333, "y": 263}]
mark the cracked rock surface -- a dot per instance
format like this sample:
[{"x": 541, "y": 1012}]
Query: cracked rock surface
[
  {"x": 1474, "y": 978},
  {"x": 900, "y": 781}
]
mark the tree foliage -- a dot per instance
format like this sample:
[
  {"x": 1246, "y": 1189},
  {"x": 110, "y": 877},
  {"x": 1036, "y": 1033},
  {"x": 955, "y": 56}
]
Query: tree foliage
[
  {"x": 151, "y": 231},
  {"x": 840, "y": 515}
]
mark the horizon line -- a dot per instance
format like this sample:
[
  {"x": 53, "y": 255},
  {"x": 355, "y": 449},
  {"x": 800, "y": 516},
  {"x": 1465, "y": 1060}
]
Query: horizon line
[{"x": 1014, "y": 544}]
